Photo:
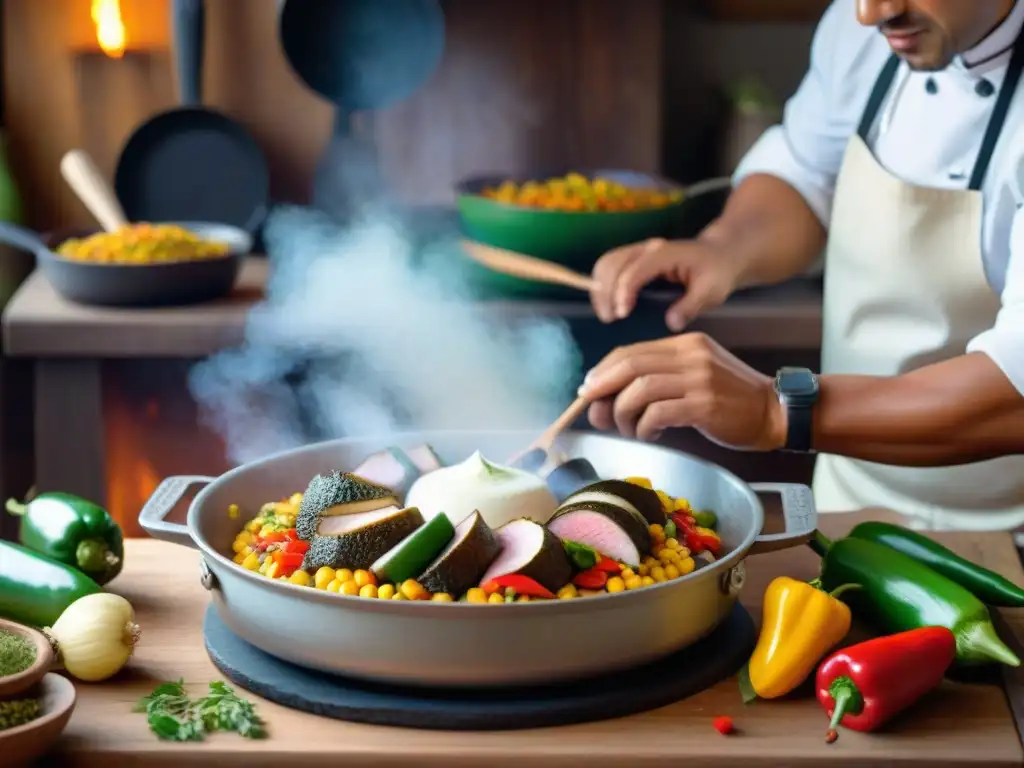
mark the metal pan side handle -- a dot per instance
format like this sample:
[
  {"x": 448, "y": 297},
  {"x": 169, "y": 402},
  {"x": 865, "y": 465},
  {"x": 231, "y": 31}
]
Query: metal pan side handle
[
  {"x": 798, "y": 511},
  {"x": 19, "y": 237},
  {"x": 159, "y": 505}
]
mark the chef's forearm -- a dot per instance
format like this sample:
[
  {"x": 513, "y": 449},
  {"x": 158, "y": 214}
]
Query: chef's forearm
[
  {"x": 769, "y": 229},
  {"x": 954, "y": 412}
]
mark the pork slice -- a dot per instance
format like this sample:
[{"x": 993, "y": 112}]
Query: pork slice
[
  {"x": 597, "y": 531},
  {"x": 521, "y": 541},
  {"x": 339, "y": 525}
]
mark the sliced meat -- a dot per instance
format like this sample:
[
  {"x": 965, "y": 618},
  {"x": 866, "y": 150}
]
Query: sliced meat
[
  {"x": 613, "y": 531},
  {"x": 530, "y": 549}
]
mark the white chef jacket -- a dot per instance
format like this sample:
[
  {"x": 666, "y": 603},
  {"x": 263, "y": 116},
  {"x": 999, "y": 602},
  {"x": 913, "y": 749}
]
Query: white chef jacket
[{"x": 929, "y": 133}]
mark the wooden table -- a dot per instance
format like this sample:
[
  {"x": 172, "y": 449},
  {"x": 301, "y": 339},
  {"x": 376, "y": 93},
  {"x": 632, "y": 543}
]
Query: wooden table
[
  {"x": 67, "y": 344},
  {"x": 957, "y": 725}
]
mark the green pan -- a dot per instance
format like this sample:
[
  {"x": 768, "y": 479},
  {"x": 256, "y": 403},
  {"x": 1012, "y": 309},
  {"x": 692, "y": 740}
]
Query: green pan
[{"x": 574, "y": 239}]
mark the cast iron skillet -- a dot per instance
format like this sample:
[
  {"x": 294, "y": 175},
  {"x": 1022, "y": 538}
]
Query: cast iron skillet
[
  {"x": 360, "y": 55},
  {"x": 142, "y": 285},
  {"x": 191, "y": 163}
]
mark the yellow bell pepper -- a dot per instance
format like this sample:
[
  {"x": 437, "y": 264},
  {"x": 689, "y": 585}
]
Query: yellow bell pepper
[{"x": 801, "y": 623}]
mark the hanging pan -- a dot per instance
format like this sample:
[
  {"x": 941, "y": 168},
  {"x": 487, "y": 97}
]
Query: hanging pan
[
  {"x": 361, "y": 55},
  {"x": 192, "y": 163}
]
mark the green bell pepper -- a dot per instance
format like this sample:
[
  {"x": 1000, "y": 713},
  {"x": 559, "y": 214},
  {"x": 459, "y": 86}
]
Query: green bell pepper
[
  {"x": 73, "y": 531},
  {"x": 899, "y": 594},
  {"x": 36, "y": 590}
]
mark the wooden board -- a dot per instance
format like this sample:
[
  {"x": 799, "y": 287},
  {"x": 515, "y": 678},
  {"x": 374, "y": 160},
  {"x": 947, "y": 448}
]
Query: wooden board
[{"x": 958, "y": 725}]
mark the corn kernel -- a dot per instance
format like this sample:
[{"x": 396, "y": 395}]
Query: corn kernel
[
  {"x": 658, "y": 573},
  {"x": 350, "y": 588},
  {"x": 567, "y": 592},
  {"x": 626, "y": 572},
  {"x": 672, "y": 572},
  {"x": 238, "y": 546},
  {"x": 254, "y": 525},
  {"x": 665, "y": 556},
  {"x": 615, "y": 584},
  {"x": 398, "y": 596},
  {"x": 650, "y": 562},
  {"x": 643, "y": 482},
  {"x": 295, "y": 499},
  {"x": 364, "y": 577},
  {"x": 644, "y": 569},
  {"x": 646, "y": 581},
  {"x": 301, "y": 578},
  {"x": 251, "y": 562},
  {"x": 414, "y": 590},
  {"x": 323, "y": 577},
  {"x": 634, "y": 582},
  {"x": 273, "y": 571},
  {"x": 686, "y": 566},
  {"x": 496, "y": 598},
  {"x": 386, "y": 591},
  {"x": 343, "y": 575},
  {"x": 672, "y": 543},
  {"x": 233, "y": 511},
  {"x": 240, "y": 556},
  {"x": 523, "y": 599},
  {"x": 667, "y": 502},
  {"x": 334, "y": 586},
  {"x": 442, "y": 597},
  {"x": 657, "y": 530},
  {"x": 476, "y": 595},
  {"x": 245, "y": 536},
  {"x": 682, "y": 505},
  {"x": 683, "y": 552},
  {"x": 368, "y": 590}
]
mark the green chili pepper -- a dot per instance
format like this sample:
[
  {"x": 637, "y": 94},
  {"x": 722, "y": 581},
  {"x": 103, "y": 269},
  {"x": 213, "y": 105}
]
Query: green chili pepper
[
  {"x": 901, "y": 594},
  {"x": 582, "y": 556},
  {"x": 706, "y": 519},
  {"x": 34, "y": 589},
  {"x": 987, "y": 586},
  {"x": 72, "y": 530}
]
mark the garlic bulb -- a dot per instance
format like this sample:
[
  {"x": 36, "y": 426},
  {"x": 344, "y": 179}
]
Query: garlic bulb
[{"x": 95, "y": 636}]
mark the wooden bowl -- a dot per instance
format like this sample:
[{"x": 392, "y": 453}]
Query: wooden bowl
[
  {"x": 26, "y": 743},
  {"x": 12, "y": 685}
]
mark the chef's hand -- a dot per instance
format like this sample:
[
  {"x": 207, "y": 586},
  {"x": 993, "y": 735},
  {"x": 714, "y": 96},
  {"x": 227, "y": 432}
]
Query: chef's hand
[
  {"x": 707, "y": 273},
  {"x": 685, "y": 381}
]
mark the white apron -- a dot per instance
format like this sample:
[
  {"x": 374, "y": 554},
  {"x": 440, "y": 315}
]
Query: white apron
[{"x": 905, "y": 287}]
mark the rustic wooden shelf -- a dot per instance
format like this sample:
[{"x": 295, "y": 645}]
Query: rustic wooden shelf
[{"x": 763, "y": 10}]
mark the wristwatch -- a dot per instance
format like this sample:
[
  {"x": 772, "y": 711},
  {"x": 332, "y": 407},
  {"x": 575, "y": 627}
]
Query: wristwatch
[{"x": 797, "y": 389}]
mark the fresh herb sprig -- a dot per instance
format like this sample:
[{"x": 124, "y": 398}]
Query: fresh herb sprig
[{"x": 173, "y": 716}]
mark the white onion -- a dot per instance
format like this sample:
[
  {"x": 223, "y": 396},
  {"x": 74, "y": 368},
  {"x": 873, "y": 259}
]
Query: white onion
[
  {"x": 499, "y": 493},
  {"x": 95, "y": 636}
]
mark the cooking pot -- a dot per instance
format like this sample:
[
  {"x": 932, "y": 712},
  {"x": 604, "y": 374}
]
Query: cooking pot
[{"x": 464, "y": 644}]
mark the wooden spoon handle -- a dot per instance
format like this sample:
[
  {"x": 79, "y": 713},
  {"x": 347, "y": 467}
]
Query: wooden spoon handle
[
  {"x": 526, "y": 267},
  {"x": 546, "y": 440},
  {"x": 82, "y": 175}
]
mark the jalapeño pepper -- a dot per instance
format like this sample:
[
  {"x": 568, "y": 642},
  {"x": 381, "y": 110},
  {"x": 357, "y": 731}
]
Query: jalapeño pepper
[
  {"x": 35, "y": 589},
  {"x": 73, "y": 531},
  {"x": 901, "y": 594}
]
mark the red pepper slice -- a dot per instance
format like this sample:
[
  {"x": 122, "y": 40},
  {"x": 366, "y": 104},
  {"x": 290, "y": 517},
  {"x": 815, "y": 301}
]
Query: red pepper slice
[
  {"x": 298, "y": 547},
  {"x": 291, "y": 534},
  {"x": 723, "y": 724},
  {"x": 592, "y": 578},
  {"x": 288, "y": 559},
  {"x": 683, "y": 523},
  {"x": 273, "y": 537},
  {"x": 607, "y": 565},
  {"x": 864, "y": 685},
  {"x": 523, "y": 585}
]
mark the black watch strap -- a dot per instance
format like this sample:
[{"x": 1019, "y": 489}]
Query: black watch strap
[{"x": 799, "y": 427}]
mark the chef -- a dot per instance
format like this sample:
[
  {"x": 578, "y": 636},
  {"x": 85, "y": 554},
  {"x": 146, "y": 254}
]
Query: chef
[{"x": 901, "y": 157}]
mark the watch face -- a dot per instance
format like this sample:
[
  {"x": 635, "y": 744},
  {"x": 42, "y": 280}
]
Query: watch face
[{"x": 796, "y": 382}]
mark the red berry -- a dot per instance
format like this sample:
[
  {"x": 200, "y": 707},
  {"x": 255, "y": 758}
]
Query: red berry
[{"x": 724, "y": 725}]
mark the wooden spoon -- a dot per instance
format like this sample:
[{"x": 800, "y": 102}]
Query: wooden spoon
[
  {"x": 526, "y": 267},
  {"x": 546, "y": 440},
  {"x": 85, "y": 179}
]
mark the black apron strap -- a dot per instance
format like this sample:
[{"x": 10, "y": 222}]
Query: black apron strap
[
  {"x": 999, "y": 113},
  {"x": 878, "y": 93}
]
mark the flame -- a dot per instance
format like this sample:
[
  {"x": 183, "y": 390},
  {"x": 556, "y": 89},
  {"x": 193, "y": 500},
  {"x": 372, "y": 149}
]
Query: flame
[{"x": 106, "y": 15}]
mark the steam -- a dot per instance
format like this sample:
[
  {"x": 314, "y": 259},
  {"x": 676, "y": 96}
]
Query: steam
[{"x": 354, "y": 339}]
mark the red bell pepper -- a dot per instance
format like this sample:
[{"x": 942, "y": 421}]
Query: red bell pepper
[
  {"x": 692, "y": 539},
  {"x": 608, "y": 565},
  {"x": 274, "y": 537},
  {"x": 297, "y": 547},
  {"x": 288, "y": 560},
  {"x": 522, "y": 585},
  {"x": 592, "y": 578},
  {"x": 863, "y": 686}
]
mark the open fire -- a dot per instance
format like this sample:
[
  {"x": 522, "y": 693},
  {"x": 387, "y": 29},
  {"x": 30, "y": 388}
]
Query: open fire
[{"x": 110, "y": 31}]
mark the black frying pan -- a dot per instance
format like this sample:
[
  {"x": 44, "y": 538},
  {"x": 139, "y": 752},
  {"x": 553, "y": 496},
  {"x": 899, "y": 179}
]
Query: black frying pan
[
  {"x": 191, "y": 163},
  {"x": 361, "y": 55}
]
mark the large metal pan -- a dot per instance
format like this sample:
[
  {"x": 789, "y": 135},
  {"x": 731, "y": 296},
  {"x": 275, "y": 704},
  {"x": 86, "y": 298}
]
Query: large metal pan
[{"x": 462, "y": 644}]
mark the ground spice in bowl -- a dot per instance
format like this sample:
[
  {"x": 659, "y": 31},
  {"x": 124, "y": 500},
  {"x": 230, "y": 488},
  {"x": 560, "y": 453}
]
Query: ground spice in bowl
[
  {"x": 18, "y": 712},
  {"x": 17, "y": 653}
]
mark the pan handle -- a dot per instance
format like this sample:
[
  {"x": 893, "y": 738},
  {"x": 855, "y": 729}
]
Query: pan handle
[
  {"x": 19, "y": 237},
  {"x": 189, "y": 26},
  {"x": 160, "y": 504},
  {"x": 799, "y": 512}
]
